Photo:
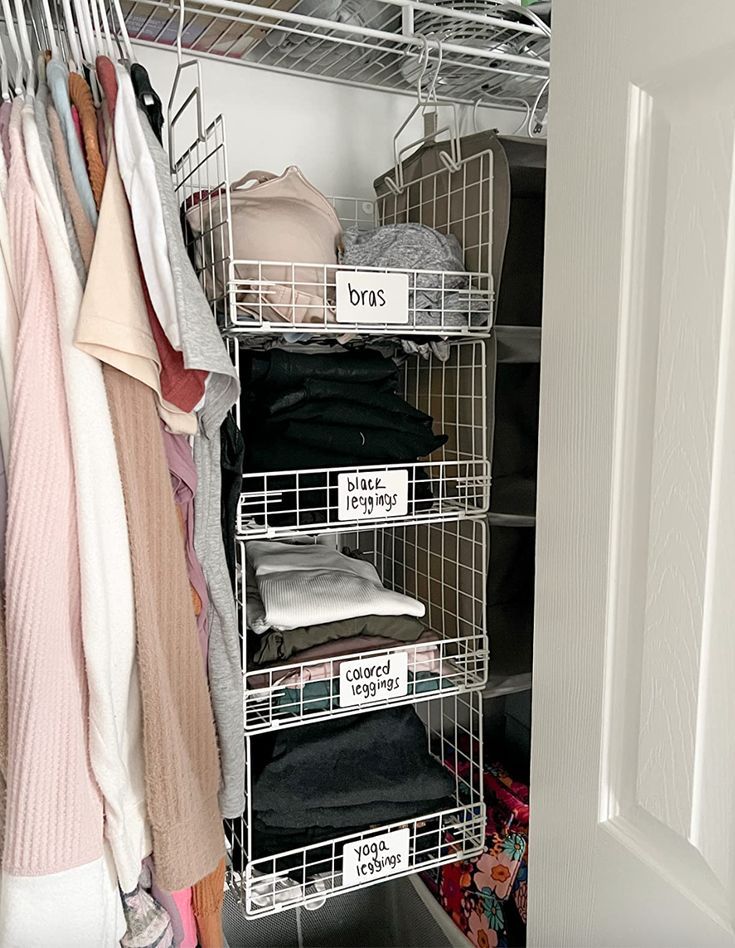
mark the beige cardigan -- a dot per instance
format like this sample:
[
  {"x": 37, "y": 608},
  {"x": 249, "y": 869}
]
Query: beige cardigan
[{"x": 181, "y": 760}]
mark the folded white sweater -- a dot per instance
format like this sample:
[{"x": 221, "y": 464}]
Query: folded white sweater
[{"x": 308, "y": 585}]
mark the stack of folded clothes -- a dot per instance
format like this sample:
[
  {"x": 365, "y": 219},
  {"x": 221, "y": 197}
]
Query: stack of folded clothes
[
  {"x": 441, "y": 295},
  {"x": 304, "y": 411},
  {"x": 332, "y": 778},
  {"x": 307, "y": 603}
]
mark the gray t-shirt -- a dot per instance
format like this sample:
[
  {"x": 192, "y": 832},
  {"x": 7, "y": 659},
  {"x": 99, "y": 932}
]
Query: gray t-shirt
[{"x": 203, "y": 348}]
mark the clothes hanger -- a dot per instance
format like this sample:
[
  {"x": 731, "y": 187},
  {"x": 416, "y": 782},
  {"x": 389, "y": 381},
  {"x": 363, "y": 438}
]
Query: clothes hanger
[
  {"x": 4, "y": 85},
  {"x": 65, "y": 54},
  {"x": 427, "y": 105},
  {"x": 128, "y": 56},
  {"x": 501, "y": 101},
  {"x": 106, "y": 35},
  {"x": 13, "y": 37},
  {"x": 75, "y": 59},
  {"x": 195, "y": 93},
  {"x": 89, "y": 45},
  {"x": 50, "y": 29},
  {"x": 30, "y": 66},
  {"x": 85, "y": 41}
]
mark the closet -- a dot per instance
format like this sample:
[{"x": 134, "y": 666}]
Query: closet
[
  {"x": 379, "y": 302},
  {"x": 472, "y": 610}
]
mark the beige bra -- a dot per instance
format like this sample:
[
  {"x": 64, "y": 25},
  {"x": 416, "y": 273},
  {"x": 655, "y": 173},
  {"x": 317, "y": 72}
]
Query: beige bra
[{"x": 283, "y": 219}]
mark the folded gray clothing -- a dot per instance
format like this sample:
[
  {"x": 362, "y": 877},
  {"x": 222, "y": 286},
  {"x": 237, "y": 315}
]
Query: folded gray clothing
[
  {"x": 278, "y": 646},
  {"x": 353, "y": 761},
  {"x": 339, "y": 817},
  {"x": 417, "y": 247}
]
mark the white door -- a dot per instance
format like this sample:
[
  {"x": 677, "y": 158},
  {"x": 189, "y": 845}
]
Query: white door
[{"x": 633, "y": 769}]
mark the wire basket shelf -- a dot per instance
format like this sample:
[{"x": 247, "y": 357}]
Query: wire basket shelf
[
  {"x": 265, "y": 885},
  {"x": 443, "y": 565},
  {"x": 267, "y": 296},
  {"x": 453, "y": 482},
  {"x": 489, "y": 48}
]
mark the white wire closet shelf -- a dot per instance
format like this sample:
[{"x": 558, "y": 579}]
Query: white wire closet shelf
[
  {"x": 490, "y": 49},
  {"x": 443, "y": 566},
  {"x": 267, "y": 296},
  {"x": 453, "y": 482},
  {"x": 266, "y": 884}
]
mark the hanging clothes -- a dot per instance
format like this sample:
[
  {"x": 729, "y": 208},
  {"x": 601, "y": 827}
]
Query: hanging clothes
[
  {"x": 148, "y": 99},
  {"x": 53, "y": 861},
  {"x": 182, "y": 771},
  {"x": 81, "y": 95},
  {"x": 83, "y": 229},
  {"x": 8, "y": 336},
  {"x": 195, "y": 334},
  {"x": 121, "y": 335},
  {"x": 57, "y": 76},
  {"x": 107, "y": 588}
]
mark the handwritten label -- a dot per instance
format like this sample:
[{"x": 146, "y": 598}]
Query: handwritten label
[
  {"x": 366, "y": 297},
  {"x": 372, "y": 495},
  {"x": 370, "y": 679},
  {"x": 376, "y": 858}
]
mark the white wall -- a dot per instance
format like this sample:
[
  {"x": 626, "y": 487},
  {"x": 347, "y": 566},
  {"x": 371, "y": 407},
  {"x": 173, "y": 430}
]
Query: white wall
[{"x": 340, "y": 137}]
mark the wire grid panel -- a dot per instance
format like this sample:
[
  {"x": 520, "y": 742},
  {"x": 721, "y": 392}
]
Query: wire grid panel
[
  {"x": 202, "y": 182},
  {"x": 442, "y": 565},
  {"x": 454, "y": 482},
  {"x": 489, "y": 49},
  {"x": 268, "y": 884}
]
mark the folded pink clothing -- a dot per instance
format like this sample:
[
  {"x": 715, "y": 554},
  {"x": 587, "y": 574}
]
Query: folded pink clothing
[{"x": 323, "y": 661}]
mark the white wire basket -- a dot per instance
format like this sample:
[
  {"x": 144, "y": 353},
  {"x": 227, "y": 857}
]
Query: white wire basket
[
  {"x": 454, "y": 482},
  {"x": 442, "y": 565},
  {"x": 490, "y": 48},
  {"x": 265, "y": 885},
  {"x": 455, "y": 200}
]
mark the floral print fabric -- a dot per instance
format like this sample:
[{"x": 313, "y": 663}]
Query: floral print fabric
[{"x": 479, "y": 893}]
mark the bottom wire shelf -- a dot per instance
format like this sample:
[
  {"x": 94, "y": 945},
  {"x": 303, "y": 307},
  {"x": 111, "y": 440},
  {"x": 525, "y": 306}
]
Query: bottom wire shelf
[{"x": 264, "y": 885}]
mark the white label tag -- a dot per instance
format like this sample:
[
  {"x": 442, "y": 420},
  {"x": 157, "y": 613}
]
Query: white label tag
[
  {"x": 372, "y": 679},
  {"x": 365, "y": 297},
  {"x": 372, "y": 495},
  {"x": 376, "y": 858}
]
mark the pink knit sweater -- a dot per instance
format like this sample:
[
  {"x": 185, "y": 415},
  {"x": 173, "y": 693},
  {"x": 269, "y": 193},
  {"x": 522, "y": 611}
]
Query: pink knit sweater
[{"x": 54, "y": 810}]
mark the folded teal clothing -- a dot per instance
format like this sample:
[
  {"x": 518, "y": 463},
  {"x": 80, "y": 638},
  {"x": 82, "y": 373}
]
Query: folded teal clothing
[{"x": 323, "y": 695}]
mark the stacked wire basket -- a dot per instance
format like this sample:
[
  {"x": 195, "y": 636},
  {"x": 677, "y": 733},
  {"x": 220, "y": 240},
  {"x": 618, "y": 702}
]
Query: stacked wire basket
[{"x": 435, "y": 552}]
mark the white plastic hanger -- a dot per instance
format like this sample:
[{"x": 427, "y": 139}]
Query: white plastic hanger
[
  {"x": 13, "y": 37},
  {"x": 4, "y": 85},
  {"x": 81, "y": 14},
  {"x": 107, "y": 35},
  {"x": 50, "y": 28},
  {"x": 75, "y": 59},
  {"x": 25, "y": 42},
  {"x": 89, "y": 45},
  {"x": 123, "y": 30}
]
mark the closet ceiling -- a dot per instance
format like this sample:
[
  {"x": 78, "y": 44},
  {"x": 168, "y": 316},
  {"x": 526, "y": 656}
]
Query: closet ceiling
[{"x": 482, "y": 50}]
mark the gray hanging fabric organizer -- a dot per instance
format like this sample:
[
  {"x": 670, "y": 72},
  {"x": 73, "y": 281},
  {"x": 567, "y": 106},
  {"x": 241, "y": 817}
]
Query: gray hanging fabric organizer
[{"x": 518, "y": 202}]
